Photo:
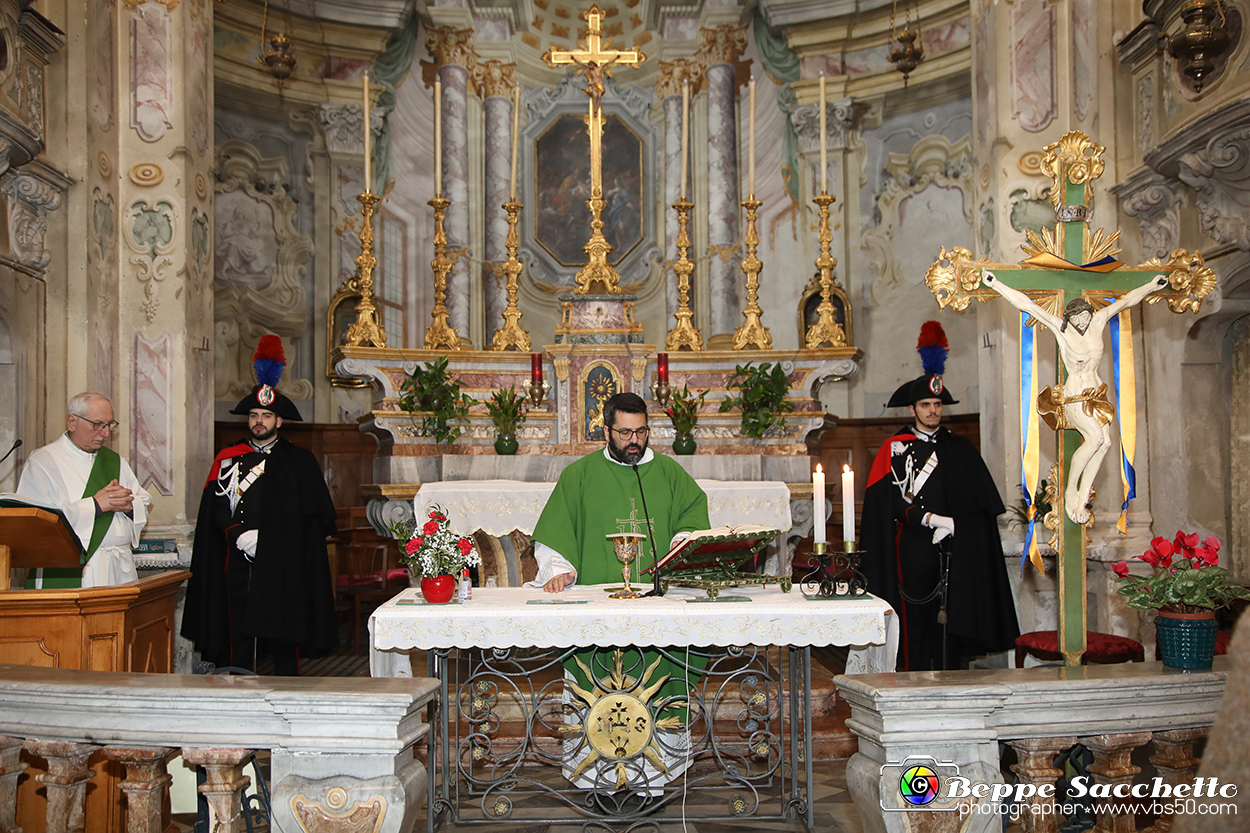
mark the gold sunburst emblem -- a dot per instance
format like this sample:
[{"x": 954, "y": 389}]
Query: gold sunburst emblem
[{"x": 618, "y": 725}]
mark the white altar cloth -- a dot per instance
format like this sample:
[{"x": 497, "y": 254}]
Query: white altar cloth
[
  {"x": 499, "y": 506},
  {"x": 502, "y": 617}
]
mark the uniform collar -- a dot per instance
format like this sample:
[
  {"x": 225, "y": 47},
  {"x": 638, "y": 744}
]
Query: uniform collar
[
  {"x": 263, "y": 449},
  {"x": 647, "y": 457},
  {"x": 921, "y": 435}
]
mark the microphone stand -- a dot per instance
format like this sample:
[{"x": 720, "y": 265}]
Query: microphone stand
[
  {"x": 17, "y": 444},
  {"x": 655, "y": 590}
]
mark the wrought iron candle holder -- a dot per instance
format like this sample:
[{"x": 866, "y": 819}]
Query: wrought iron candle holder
[{"x": 835, "y": 575}]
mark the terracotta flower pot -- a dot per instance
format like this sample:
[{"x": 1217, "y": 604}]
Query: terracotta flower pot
[
  {"x": 1186, "y": 640},
  {"x": 438, "y": 590}
]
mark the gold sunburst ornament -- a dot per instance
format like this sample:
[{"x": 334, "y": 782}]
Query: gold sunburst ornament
[{"x": 619, "y": 725}]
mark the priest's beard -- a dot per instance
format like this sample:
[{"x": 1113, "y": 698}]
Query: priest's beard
[{"x": 628, "y": 455}]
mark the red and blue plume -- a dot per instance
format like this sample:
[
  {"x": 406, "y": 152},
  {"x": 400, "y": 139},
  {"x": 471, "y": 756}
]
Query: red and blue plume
[
  {"x": 268, "y": 360},
  {"x": 932, "y": 348}
]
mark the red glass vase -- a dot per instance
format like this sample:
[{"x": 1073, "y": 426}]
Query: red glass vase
[{"x": 438, "y": 590}]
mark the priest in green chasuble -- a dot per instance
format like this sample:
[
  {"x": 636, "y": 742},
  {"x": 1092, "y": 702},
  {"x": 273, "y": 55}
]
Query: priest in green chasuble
[{"x": 599, "y": 495}]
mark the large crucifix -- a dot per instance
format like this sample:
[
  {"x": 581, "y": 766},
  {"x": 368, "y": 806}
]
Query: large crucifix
[
  {"x": 595, "y": 60},
  {"x": 1072, "y": 284}
]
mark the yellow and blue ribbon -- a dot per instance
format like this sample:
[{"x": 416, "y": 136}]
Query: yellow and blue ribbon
[
  {"x": 1126, "y": 406},
  {"x": 1030, "y": 453}
]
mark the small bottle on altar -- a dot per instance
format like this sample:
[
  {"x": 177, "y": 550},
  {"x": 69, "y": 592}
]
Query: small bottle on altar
[{"x": 466, "y": 585}]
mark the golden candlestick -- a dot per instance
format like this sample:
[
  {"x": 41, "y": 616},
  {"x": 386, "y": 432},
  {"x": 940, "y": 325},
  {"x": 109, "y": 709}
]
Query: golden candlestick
[
  {"x": 597, "y": 275},
  {"x": 753, "y": 332},
  {"x": 684, "y": 335},
  {"x": 511, "y": 336},
  {"x": 440, "y": 333},
  {"x": 826, "y": 331},
  {"x": 367, "y": 331}
]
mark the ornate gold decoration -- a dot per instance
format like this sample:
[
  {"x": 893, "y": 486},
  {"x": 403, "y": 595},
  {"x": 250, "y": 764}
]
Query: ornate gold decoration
[
  {"x": 1030, "y": 163},
  {"x": 494, "y": 78},
  {"x": 826, "y": 331},
  {"x": 619, "y": 725},
  {"x": 1051, "y": 401},
  {"x": 1199, "y": 42},
  {"x": 637, "y": 367},
  {"x": 334, "y": 815},
  {"x": 595, "y": 60},
  {"x": 561, "y": 364},
  {"x": 511, "y": 336},
  {"x": 367, "y": 330},
  {"x": 1190, "y": 277},
  {"x": 449, "y": 45},
  {"x": 753, "y": 332},
  {"x": 147, "y": 174},
  {"x": 626, "y": 548},
  {"x": 1054, "y": 496},
  {"x": 906, "y": 46},
  {"x": 720, "y": 44},
  {"x": 954, "y": 279},
  {"x": 684, "y": 335},
  {"x": 673, "y": 74},
  {"x": 1074, "y": 158},
  {"x": 440, "y": 334}
]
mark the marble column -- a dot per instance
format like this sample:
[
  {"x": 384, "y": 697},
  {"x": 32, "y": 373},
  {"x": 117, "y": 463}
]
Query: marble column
[
  {"x": 453, "y": 52},
  {"x": 1175, "y": 762},
  {"x": 1036, "y": 766},
  {"x": 144, "y": 785},
  {"x": 495, "y": 82},
  {"x": 66, "y": 782},
  {"x": 1112, "y": 766},
  {"x": 11, "y": 767},
  {"x": 719, "y": 50},
  {"x": 224, "y": 787}
]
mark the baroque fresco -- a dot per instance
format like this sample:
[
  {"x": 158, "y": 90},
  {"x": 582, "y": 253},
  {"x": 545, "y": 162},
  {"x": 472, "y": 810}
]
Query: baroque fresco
[{"x": 562, "y": 224}]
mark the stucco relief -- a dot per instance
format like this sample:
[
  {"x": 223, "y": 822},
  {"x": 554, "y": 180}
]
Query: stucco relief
[
  {"x": 1083, "y": 56},
  {"x": 150, "y": 230},
  {"x": 1220, "y": 173},
  {"x": 1155, "y": 204},
  {"x": 30, "y": 198},
  {"x": 1033, "y": 65},
  {"x": 258, "y": 259},
  {"x": 1145, "y": 113},
  {"x": 197, "y": 67},
  {"x": 152, "y": 413},
  {"x": 151, "y": 75},
  {"x": 101, "y": 35},
  {"x": 926, "y": 190}
]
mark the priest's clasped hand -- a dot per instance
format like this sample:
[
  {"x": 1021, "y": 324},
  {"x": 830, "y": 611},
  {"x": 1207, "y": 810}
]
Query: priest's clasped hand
[
  {"x": 115, "y": 498},
  {"x": 560, "y": 582},
  {"x": 942, "y": 526}
]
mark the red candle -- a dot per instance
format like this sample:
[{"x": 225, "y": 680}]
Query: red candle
[
  {"x": 536, "y": 367},
  {"x": 661, "y": 366}
]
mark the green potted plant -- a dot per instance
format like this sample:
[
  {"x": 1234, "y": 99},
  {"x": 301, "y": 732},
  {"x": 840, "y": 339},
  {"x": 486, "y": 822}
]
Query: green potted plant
[
  {"x": 761, "y": 397},
  {"x": 683, "y": 410},
  {"x": 1186, "y": 586},
  {"x": 506, "y": 412},
  {"x": 431, "y": 392}
]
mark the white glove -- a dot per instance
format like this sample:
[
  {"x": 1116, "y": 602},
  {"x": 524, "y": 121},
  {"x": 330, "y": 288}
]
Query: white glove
[
  {"x": 247, "y": 543},
  {"x": 942, "y": 526}
]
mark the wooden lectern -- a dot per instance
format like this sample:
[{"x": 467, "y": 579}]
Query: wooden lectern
[{"x": 125, "y": 627}]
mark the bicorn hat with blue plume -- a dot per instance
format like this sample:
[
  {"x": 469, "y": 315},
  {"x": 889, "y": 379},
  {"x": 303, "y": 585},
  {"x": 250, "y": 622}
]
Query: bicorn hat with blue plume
[
  {"x": 933, "y": 349},
  {"x": 268, "y": 361}
]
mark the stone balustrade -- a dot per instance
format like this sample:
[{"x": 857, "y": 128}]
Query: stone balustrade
[
  {"x": 342, "y": 750},
  {"x": 959, "y": 719}
]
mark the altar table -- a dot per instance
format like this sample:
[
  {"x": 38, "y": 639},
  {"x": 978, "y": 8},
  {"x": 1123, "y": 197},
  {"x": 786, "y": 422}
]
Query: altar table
[{"x": 748, "y": 707}]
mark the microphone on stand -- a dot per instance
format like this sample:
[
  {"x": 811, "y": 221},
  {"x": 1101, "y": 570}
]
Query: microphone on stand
[
  {"x": 655, "y": 557},
  {"x": 17, "y": 444}
]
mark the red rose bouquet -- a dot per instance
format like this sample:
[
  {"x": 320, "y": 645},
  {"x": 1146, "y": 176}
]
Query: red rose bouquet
[{"x": 429, "y": 548}]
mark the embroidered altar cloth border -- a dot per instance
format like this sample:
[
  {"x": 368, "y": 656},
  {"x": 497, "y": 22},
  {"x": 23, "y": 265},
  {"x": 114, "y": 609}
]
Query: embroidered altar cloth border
[
  {"x": 497, "y": 507},
  {"x": 501, "y": 617}
]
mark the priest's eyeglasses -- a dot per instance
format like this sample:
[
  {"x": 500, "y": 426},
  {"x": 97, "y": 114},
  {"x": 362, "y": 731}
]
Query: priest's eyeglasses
[
  {"x": 625, "y": 434},
  {"x": 100, "y": 426}
]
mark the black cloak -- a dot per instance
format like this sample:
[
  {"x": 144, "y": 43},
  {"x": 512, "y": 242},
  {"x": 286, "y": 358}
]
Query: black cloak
[
  {"x": 289, "y": 597},
  {"x": 981, "y": 616}
]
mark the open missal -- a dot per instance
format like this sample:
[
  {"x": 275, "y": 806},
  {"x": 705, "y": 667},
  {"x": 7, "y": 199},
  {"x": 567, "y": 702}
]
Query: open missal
[{"x": 714, "y": 559}]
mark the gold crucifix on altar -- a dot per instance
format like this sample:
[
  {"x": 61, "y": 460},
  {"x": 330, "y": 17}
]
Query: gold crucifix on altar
[{"x": 595, "y": 59}]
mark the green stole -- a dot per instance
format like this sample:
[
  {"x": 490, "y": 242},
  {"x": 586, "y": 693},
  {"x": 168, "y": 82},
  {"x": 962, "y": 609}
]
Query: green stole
[{"x": 107, "y": 468}]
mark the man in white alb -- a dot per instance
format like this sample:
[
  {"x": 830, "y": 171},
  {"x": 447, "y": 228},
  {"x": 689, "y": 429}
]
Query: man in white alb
[{"x": 95, "y": 488}]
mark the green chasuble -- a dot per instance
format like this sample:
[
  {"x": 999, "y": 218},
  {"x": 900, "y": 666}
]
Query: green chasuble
[{"x": 596, "y": 497}]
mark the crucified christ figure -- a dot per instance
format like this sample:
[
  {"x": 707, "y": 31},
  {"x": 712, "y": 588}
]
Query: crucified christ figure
[{"x": 1080, "y": 402}]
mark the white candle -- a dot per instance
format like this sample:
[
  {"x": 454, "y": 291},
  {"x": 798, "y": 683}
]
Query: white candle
[
  {"x": 516, "y": 128},
  {"x": 848, "y": 504},
  {"x": 438, "y": 138},
  {"x": 685, "y": 132},
  {"x": 818, "y": 505},
  {"x": 368, "y": 150},
  {"x": 751, "y": 144},
  {"x": 824, "y": 151}
]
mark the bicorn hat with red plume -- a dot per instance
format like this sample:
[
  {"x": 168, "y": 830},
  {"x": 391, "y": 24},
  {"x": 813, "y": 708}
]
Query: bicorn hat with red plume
[
  {"x": 268, "y": 361},
  {"x": 933, "y": 349}
]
